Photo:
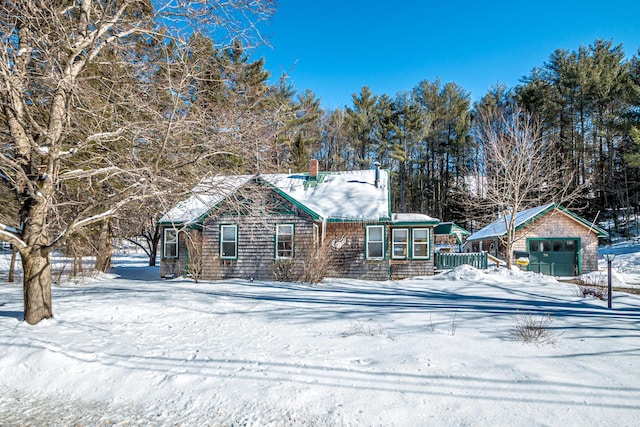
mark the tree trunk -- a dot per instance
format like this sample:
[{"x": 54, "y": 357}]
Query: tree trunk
[
  {"x": 153, "y": 254},
  {"x": 103, "y": 255},
  {"x": 153, "y": 246},
  {"x": 77, "y": 265},
  {"x": 12, "y": 265},
  {"x": 37, "y": 286}
]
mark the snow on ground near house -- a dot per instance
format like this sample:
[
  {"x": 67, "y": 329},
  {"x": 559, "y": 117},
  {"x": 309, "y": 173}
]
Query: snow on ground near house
[
  {"x": 625, "y": 267},
  {"x": 128, "y": 349}
]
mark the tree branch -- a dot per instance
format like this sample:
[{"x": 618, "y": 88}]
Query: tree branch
[{"x": 12, "y": 235}]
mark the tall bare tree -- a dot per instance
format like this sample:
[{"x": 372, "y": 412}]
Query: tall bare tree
[
  {"x": 520, "y": 166},
  {"x": 85, "y": 125}
]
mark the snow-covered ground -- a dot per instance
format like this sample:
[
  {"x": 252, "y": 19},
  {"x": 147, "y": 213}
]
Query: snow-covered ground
[{"x": 128, "y": 349}]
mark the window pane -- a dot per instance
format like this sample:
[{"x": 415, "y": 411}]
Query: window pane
[
  {"x": 570, "y": 246},
  {"x": 228, "y": 233},
  {"x": 400, "y": 243},
  {"x": 399, "y": 250},
  {"x": 420, "y": 235},
  {"x": 400, "y": 236},
  {"x": 420, "y": 250},
  {"x": 171, "y": 250},
  {"x": 285, "y": 229},
  {"x": 170, "y": 243},
  {"x": 420, "y": 242},
  {"x": 229, "y": 241},
  {"x": 375, "y": 234},
  {"x": 284, "y": 241},
  {"x": 375, "y": 249},
  {"x": 229, "y": 249},
  {"x": 375, "y": 241},
  {"x": 558, "y": 246}
]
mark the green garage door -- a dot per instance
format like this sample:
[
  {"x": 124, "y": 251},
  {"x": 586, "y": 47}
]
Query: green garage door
[{"x": 554, "y": 257}]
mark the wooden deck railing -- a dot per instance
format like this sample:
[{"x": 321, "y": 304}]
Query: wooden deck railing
[{"x": 445, "y": 261}]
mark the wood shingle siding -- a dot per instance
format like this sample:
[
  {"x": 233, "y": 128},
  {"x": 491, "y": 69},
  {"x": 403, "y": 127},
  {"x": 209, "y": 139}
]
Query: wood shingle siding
[
  {"x": 552, "y": 224},
  {"x": 256, "y": 245},
  {"x": 173, "y": 267},
  {"x": 350, "y": 260},
  {"x": 340, "y": 213},
  {"x": 559, "y": 225}
]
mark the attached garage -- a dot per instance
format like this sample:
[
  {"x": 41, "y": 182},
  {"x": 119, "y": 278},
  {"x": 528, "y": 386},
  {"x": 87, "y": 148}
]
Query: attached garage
[{"x": 554, "y": 240}]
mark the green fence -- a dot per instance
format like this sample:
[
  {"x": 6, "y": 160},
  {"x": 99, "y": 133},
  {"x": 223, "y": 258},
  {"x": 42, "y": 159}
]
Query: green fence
[{"x": 445, "y": 261}]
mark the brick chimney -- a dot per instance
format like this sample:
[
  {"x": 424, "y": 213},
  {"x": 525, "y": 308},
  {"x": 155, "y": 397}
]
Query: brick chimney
[{"x": 314, "y": 165}]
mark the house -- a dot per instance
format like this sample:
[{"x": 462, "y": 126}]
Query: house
[
  {"x": 246, "y": 226},
  {"x": 552, "y": 239},
  {"x": 449, "y": 237}
]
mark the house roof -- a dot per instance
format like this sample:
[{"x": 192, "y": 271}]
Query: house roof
[
  {"x": 204, "y": 197},
  {"x": 338, "y": 196},
  {"x": 332, "y": 196},
  {"x": 413, "y": 219},
  {"x": 498, "y": 228},
  {"x": 450, "y": 228}
]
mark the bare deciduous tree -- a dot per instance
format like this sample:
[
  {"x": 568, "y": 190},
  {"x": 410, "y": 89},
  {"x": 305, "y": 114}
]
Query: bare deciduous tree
[
  {"x": 97, "y": 109},
  {"x": 520, "y": 167}
]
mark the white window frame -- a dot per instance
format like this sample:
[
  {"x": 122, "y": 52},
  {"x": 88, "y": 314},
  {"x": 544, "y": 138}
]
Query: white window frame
[
  {"x": 293, "y": 232},
  {"x": 427, "y": 244},
  {"x": 223, "y": 241},
  {"x": 167, "y": 242},
  {"x": 405, "y": 243},
  {"x": 369, "y": 242}
]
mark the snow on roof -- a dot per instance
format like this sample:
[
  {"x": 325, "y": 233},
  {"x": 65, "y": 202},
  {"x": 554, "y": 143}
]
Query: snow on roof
[
  {"x": 499, "y": 227},
  {"x": 350, "y": 195},
  {"x": 413, "y": 217},
  {"x": 204, "y": 197}
]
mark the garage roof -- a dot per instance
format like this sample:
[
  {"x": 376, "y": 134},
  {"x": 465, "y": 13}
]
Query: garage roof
[{"x": 498, "y": 228}]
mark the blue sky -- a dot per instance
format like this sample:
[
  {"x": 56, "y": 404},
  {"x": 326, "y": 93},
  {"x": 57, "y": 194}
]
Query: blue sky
[{"x": 334, "y": 47}]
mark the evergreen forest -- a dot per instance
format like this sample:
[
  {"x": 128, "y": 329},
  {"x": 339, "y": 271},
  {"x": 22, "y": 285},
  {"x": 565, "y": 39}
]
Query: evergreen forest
[
  {"x": 587, "y": 102},
  {"x": 112, "y": 111}
]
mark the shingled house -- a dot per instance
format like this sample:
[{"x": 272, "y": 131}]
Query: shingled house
[
  {"x": 554, "y": 240},
  {"x": 244, "y": 225}
]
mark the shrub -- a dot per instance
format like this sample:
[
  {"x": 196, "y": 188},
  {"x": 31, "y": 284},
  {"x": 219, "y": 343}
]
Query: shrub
[
  {"x": 313, "y": 267},
  {"x": 283, "y": 270},
  {"x": 366, "y": 329},
  {"x": 533, "y": 329},
  {"x": 318, "y": 264},
  {"x": 193, "y": 240},
  {"x": 594, "y": 286}
]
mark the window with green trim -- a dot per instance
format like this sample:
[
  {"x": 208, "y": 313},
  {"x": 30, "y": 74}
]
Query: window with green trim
[
  {"x": 420, "y": 243},
  {"x": 229, "y": 241},
  {"x": 170, "y": 249},
  {"x": 400, "y": 238},
  {"x": 284, "y": 241},
  {"x": 375, "y": 242}
]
